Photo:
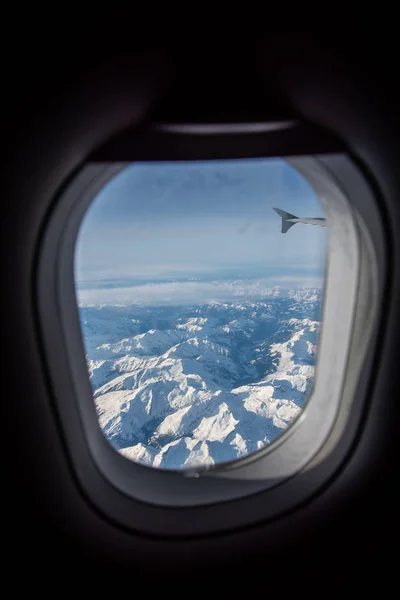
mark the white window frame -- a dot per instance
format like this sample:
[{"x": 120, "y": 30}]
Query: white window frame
[{"x": 290, "y": 469}]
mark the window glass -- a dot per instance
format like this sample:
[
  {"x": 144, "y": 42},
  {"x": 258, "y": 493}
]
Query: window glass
[{"x": 199, "y": 287}]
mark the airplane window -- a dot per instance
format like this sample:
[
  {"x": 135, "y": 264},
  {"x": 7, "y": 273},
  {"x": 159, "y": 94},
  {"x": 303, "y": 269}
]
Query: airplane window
[{"x": 200, "y": 288}]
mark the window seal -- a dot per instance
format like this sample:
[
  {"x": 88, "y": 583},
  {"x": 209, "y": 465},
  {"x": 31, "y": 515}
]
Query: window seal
[{"x": 269, "y": 480}]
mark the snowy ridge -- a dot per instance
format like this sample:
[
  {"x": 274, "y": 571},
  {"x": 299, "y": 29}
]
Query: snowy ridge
[{"x": 179, "y": 386}]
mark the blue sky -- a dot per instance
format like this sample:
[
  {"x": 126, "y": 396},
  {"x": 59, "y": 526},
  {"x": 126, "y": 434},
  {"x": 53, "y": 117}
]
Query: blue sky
[{"x": 206, "y": 220}]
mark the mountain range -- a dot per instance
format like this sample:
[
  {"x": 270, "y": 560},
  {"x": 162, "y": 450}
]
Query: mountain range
[{"x": 186, "y": 386}]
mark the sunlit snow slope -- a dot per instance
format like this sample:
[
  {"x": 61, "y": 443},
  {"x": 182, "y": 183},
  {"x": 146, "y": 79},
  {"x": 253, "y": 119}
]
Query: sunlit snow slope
[{"x": 179, "y": 386}]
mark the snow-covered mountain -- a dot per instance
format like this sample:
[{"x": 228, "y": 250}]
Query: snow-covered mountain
[{"x": 181, "y": 386}]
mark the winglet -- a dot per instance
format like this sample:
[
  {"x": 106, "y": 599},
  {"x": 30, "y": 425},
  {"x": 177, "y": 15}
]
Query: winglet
[{"x": 286, "y": 223}]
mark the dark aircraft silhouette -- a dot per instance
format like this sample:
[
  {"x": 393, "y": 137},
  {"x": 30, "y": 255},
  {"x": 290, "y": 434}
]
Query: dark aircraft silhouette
[{"x": 289, "y": 220}]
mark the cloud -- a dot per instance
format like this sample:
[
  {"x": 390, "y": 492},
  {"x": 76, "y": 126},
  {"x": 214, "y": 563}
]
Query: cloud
[{"x": 193, "y": 292}]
